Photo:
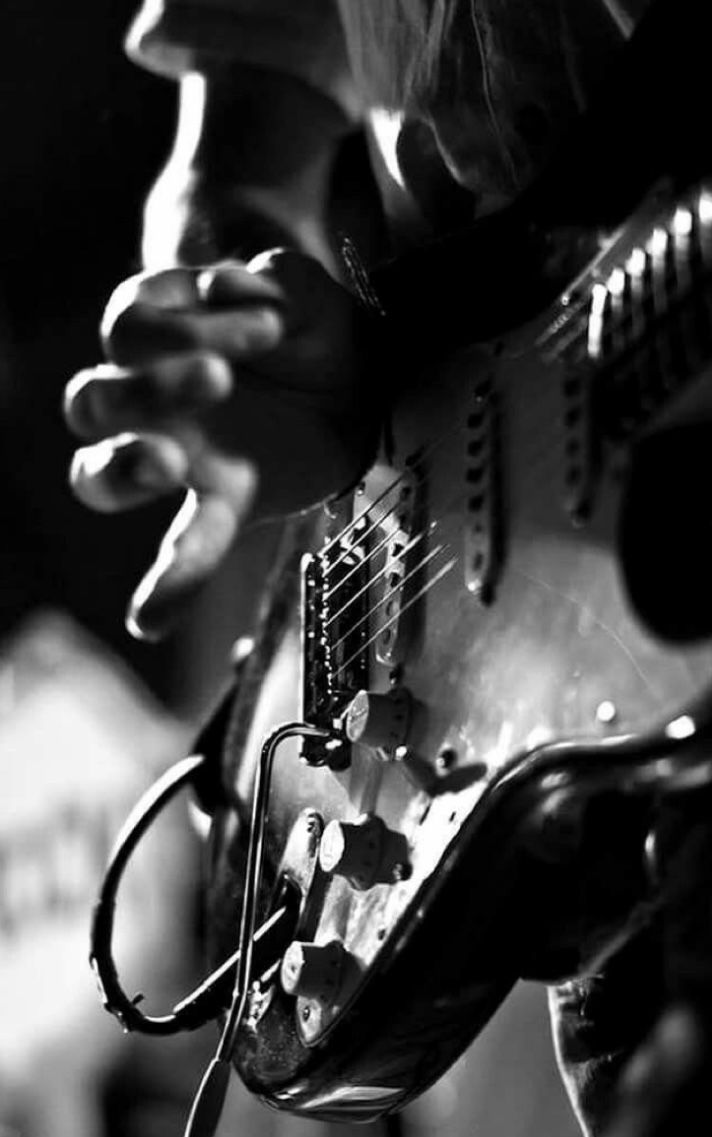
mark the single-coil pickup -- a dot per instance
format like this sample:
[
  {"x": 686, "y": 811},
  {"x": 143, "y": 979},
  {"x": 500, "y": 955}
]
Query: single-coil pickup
[
  {"x": 483, "y": 535},
  {"x": 397, "y": 529}
]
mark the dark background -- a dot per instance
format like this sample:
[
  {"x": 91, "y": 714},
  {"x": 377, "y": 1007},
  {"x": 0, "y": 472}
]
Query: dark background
[{"x": 82, "y": 134}]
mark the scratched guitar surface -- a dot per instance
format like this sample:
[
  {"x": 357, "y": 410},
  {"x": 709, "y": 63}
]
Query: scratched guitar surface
[{"x": 478, "y": 571}]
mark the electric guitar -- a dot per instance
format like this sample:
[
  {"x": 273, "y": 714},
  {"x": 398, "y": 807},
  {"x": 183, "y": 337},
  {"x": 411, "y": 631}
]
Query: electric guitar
[{"x": 508, "y": 622}]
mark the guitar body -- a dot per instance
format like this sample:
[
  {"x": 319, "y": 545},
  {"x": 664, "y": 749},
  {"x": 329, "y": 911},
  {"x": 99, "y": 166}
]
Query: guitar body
[{"x": 493, "y": 614}]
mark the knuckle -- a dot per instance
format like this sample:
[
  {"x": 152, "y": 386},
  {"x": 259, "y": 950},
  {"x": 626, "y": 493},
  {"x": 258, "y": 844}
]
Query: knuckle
[
  {"x": 211, "y": 281},
  {"x": 209, "y": 374},
  {"x": 271, "y": 260}
]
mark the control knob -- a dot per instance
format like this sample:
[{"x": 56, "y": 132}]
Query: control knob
[
  {"x": 313, "y": 971},
  {"x": 380, "y": 721},
  {"x": 364, "y": 852}
]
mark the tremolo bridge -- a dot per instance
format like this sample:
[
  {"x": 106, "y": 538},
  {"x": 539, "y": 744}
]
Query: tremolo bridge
[{"x": 354, "y": 592}]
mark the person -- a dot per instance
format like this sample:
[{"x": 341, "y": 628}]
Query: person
[
  {"x": 240, "y": 363},
  {"x": 460, "y": 103}
]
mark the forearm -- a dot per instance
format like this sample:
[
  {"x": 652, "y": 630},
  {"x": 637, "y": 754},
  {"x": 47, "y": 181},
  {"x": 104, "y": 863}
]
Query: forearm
[{"x": 251, "y": 168}]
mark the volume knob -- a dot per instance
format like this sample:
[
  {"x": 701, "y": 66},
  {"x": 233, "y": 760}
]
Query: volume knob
[
  {"x": 313, "y": 971},
  {"x": 354, "y": 851},
  {"x": 379, "y": 721}
]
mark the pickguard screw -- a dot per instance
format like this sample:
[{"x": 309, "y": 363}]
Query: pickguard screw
[
  {"x": 606, "y": 712},
  {"x": 306, "y": 1013},
  {"x": 446, "y": 759}
]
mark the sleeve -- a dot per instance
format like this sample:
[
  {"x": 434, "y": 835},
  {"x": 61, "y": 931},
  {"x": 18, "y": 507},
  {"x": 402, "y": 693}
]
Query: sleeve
[{"x": 304, "y": 39}]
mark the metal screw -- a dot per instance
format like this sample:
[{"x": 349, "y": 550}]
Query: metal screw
[
  {"x": 446, "y": 759},
  {"x": 606, "y": 712},
  {"x": 306, "y": 1013}
]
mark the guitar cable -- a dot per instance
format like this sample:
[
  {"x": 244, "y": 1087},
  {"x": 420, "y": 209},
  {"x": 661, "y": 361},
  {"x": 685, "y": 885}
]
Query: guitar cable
[
  {"x": 208, "y": 1000},
  {"x": 209, "y": 1101}
]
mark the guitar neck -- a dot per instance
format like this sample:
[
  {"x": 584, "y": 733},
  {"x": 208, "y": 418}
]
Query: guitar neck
[{"x": 647, "y": 122}]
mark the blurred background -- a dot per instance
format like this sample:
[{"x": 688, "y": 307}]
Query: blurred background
[{"x": 88, "y": 717}]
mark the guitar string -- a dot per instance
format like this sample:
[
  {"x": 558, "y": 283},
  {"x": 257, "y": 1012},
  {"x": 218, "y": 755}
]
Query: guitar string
[
  {"x": 376, "y": 523},
  {"x": 388, "y": 565},
  {"x": 389, "y": 595},
  {"x": 389, "y": 488},
  {"x": 379, "y": 521},
  {"x": 426, "y": 588},
  {"x": 343, "y": 533},
  {"x": 356, "y": 568},
  {"x": 371, "y": 555},
  {"x": 362, "y": 564},
  {"x": 427, "y": 453},
  {"x": 544, "y": 452},
  {"x": 398, "y": 588},
  {"x": 452, "y": 501},
  {"x": 617, "y": 320}
]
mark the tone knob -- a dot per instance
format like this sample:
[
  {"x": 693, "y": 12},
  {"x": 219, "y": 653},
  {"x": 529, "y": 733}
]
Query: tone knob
[
  {"x": 379, "y": 721},
  {"x": 313, "y": 971},
  {"x": 354, "y": 851}
]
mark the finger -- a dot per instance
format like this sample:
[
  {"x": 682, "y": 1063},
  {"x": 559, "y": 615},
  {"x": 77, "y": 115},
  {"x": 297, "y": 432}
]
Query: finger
[
  {"x": 173, "y": 289},
  {"x": 107, "y": 400},
  {"x": 200, "y": 536},
  {"x": 151, "y": 315},
  {"x": 127, "y": 471},
  {"x": 232, "y": 281},
  {"x": 142, "y": 334}
]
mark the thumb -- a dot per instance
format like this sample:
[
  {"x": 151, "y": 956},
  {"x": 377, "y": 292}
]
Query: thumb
[{"x": 197, "y": 540}]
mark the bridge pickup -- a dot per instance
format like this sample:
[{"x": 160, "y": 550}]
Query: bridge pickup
[
  {"x": 397, "y": 526},
  {"x": 334, "y": 636}
]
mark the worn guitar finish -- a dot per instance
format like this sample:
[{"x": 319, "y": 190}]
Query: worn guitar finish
[{"x": 497, "y": 603}]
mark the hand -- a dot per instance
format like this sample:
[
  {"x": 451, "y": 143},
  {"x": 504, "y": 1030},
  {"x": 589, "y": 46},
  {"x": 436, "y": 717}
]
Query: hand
[{"x": 245, "y": 384}]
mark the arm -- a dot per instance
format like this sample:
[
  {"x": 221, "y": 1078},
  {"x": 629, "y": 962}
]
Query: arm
[{"x": 242, "y": 383}]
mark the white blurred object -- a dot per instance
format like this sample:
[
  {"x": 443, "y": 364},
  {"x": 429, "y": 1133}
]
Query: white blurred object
[{"x": 80, "y": 740}]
